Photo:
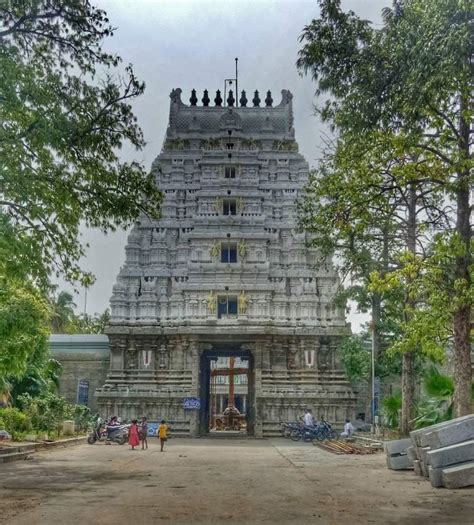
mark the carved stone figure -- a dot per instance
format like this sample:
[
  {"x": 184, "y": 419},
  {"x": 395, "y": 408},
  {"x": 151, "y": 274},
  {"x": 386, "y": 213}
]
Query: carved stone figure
[
  {"x": 215, "y": 250},
  {"x": 243, "y": 302},
  {"x": 212, "y": 302},
  {"x": 242, "y": 249}
]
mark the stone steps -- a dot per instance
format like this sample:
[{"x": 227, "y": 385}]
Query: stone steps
[
  {"x": 22, "y": 451},
  {"x": 13, "y": 456}
]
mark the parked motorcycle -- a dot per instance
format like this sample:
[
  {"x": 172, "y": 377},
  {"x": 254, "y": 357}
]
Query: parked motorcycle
[{"x": 103, "y": 432}]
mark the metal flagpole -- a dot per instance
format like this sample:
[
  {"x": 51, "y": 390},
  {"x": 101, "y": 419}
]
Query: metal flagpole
[{"x": 236, "y": 84}]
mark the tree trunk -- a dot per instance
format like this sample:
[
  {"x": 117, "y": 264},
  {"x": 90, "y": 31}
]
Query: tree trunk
[
  {"x": 462, "y": 317},
  {"x": 408, "y": 363},
  {"x": 462, "y": 363},
  {"x": 408, "y": 392},
  {"x": 376, "y": 317}
]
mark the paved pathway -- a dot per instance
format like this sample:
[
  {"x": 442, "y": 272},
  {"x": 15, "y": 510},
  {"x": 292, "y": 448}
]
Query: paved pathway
[{"x": 219, "y": 481}]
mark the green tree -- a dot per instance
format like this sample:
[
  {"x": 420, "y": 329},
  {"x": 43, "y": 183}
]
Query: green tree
[
  {"x": 65, "y": 112},
  {"x": 62, "y": 315},
  {"x": 412, "y": 79},
  {"x": 90, "y": 324},
  {"x": 355, "y": 358},
  {"x": 24, "y": 320},
  {"x": 381, "y": 203},
  {"x": 40, "y": 378}
]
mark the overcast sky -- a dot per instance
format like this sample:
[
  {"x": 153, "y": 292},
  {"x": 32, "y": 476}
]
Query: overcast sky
[{"x": 192, "y": 44}]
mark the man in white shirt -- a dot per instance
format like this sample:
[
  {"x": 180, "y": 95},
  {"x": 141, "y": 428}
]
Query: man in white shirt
[
  {"x": 348, "y": 429},
  {"x": 308, "y": 418}
]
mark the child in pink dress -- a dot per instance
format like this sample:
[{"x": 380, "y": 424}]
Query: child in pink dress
[{"x": 133, "y": 437}]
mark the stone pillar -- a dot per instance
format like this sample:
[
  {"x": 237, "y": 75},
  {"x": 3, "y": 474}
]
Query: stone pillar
[
  {"x": 117, "y": 348},
  {"x": 293, "y": 357},
  {"x": 265, "y": 352},
  {"x": 324, "y": 356},
  {"x": 317, "y": 349},
  {"x": 195, "y": 386},
  {"x": 334, "y": 344}
]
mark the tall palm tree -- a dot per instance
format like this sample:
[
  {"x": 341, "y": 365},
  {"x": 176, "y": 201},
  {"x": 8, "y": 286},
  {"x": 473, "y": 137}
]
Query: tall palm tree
[{"x": 63, "y": 314}]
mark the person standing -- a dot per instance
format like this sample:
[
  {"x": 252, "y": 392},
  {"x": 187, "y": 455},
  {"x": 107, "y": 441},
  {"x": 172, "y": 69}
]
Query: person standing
[
  {"x": 162, "y": 433},
  {"x": 308, "y": 418},
  {"x": 133, "y": 438},
  {"x": 144, "y": 433}
]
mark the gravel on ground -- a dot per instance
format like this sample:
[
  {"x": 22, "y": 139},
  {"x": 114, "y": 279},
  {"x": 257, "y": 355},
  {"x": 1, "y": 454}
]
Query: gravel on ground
[{"x": 219, "y": 481}]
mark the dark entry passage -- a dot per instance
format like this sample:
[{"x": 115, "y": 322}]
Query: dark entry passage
[{"x": 226, "y": 392}]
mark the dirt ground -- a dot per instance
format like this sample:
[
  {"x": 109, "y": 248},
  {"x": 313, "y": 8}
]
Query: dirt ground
[{"x": 219, "y": 481}]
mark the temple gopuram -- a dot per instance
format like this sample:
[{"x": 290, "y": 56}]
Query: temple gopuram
[{"x": 223, "y": 316}]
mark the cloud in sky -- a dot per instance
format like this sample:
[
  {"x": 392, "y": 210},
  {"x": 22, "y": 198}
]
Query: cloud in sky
[{"x": 192, "y": 44}]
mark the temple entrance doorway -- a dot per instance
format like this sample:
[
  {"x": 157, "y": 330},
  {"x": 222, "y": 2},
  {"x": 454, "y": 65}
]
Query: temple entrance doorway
[{"x": 227, "y": 386}]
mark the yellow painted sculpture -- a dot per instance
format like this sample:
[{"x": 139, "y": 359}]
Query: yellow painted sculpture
[
  {"x": 242, "y": 249},
  {"x": 243, "y": 302},
  {"x": 212, "y": 302},
  {"x": 215, "y": 250}
]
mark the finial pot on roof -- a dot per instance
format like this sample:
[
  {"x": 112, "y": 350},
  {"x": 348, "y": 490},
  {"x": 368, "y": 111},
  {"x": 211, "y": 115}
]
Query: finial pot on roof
[
  {"x": 218, "y": 99},
  {"x": 256, "y": 100},
  {"x": 269, "y": 100},
  {"x": 175, "y": 96},
  {"x": 205, "y": 98},
  {"x": 193, "y": 98},
  {"x": 230, "y": 98},
  {"x": 243, "y": 100}
]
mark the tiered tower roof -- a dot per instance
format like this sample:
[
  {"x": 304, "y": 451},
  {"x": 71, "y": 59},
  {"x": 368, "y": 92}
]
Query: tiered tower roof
[{"x": 228, "y": 238}]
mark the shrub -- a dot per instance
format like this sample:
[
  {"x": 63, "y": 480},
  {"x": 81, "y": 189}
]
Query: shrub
[
  {"x": 14, "y": 420},
  {"x": 83, "y": 418},
  {"x": 391, "y": 407}
]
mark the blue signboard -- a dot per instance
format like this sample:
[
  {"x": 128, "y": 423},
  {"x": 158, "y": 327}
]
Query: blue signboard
[
  {"x": 192, "y": 403},
  {"x": 82, "y": 392},
  {"x": 152, "y": 428}
]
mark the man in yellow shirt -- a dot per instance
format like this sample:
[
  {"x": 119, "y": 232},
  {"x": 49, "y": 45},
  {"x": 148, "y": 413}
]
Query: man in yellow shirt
[{"x": 162, "y": 433}]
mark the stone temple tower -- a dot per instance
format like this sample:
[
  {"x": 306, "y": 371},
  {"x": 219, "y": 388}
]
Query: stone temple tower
[{"x": 225, "y": 273}]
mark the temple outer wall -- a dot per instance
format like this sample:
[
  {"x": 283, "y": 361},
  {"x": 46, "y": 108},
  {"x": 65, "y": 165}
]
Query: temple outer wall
[
  {"x": 280, "y": 389},
  {"x": 83, "y": 357}
]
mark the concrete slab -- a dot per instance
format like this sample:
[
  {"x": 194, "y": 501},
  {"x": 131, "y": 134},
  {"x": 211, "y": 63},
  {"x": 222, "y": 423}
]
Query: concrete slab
[
  {"x": 459, "y": 476},
  {"x": 399, "y": 463},
  {"x": 452, "y": 455},
  {"x": 451, "y": 434},
  {"x": 417, "y": 467},
  {"x": 398, "y": 446},
  {"x": 436, "y": 476},
  {"x": 424, "y": 455},
  {"x": 418, "y": 435}
]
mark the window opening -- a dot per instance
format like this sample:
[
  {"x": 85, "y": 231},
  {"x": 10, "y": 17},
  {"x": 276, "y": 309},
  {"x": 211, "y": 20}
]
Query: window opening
[
  {"x": 229, "y": 172},
  {"x": 229, "y": 252},
  {"x": 229, "y": 207},
  {"x": 226, "y": 305}
]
